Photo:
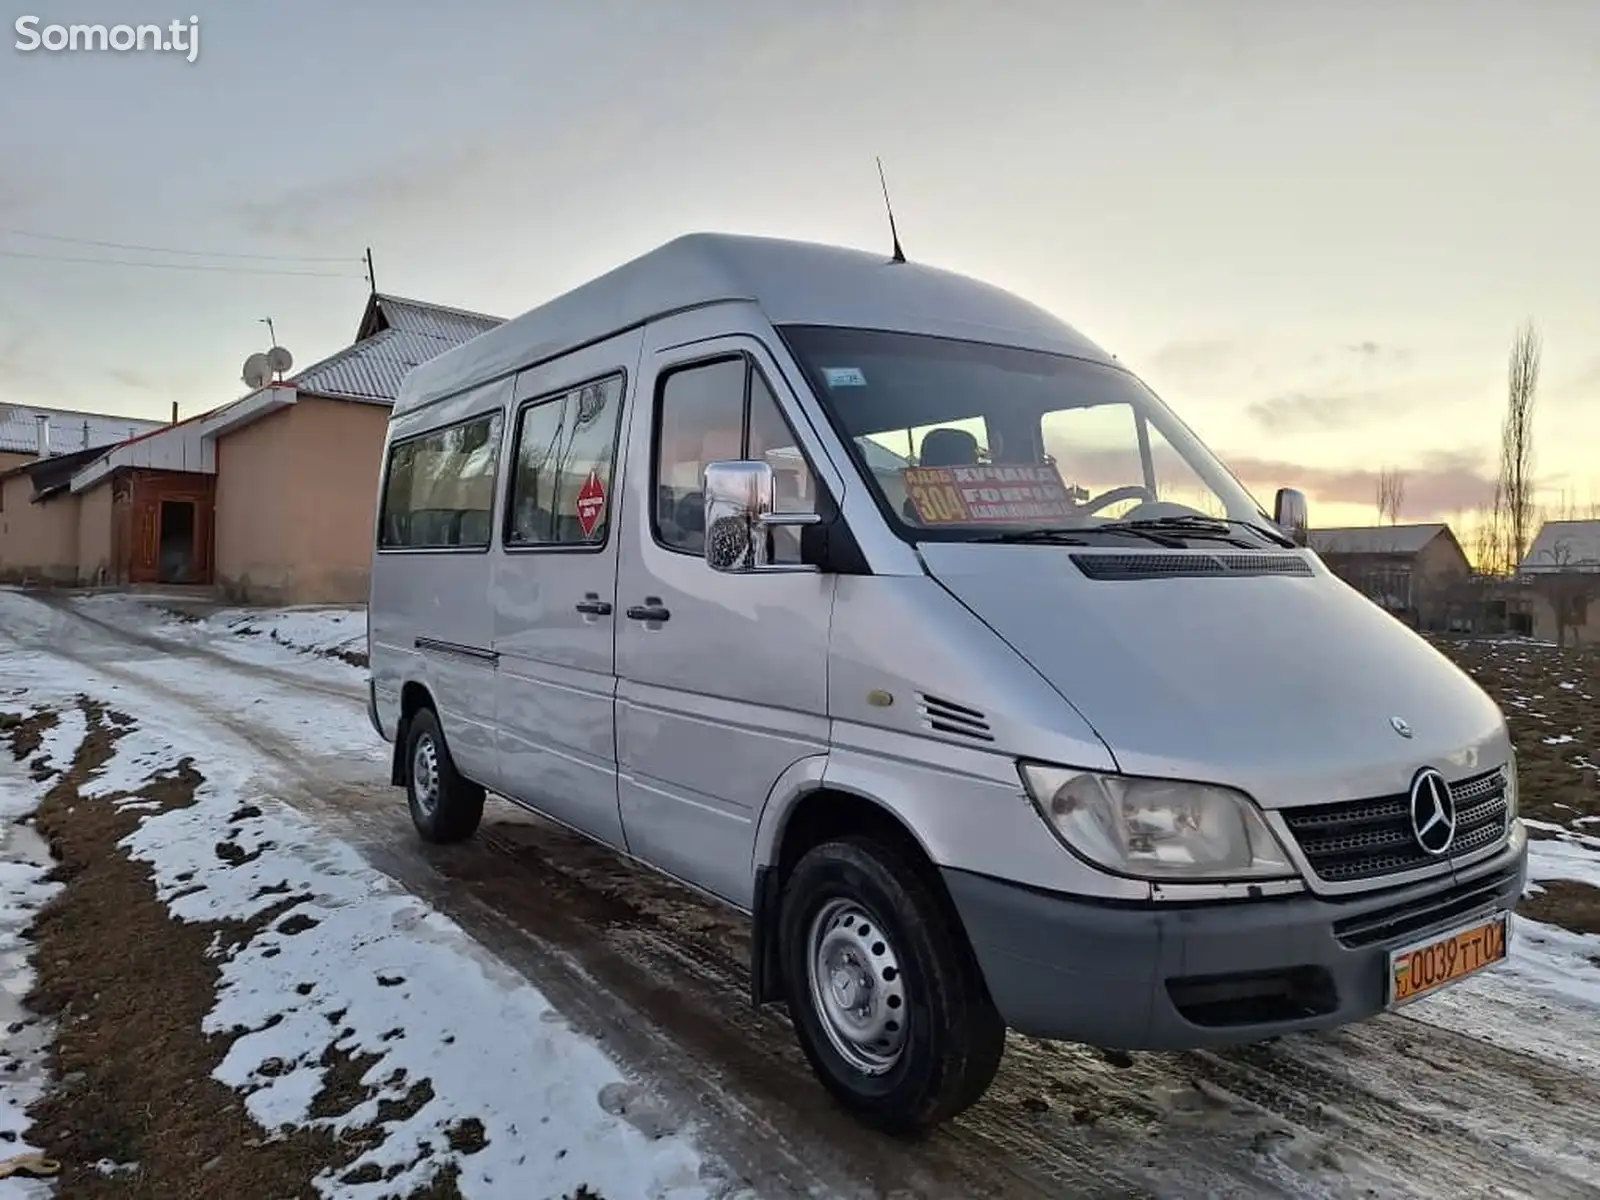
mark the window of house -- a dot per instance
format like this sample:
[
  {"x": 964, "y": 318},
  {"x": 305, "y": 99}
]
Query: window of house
[
  {"x": 438, "y": 493},
  {"x": 563, "y": 467},
  {"x": 718, "y": 412}
]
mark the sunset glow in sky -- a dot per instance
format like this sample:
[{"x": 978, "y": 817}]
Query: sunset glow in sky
[{"x": 1312, "y": 228}]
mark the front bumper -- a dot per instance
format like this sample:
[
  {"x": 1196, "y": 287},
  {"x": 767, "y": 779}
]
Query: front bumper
[{"x": 1175, "y": 977}]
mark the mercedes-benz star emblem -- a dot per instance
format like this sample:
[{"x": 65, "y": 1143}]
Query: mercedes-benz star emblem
[
  {"x": 1400, "y": 726},
  {"x": 1433, "y": 812}
]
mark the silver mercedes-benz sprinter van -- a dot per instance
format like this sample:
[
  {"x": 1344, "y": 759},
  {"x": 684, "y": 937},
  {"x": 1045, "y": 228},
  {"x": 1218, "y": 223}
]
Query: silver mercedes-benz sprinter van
[{"x": 885, "y": 607}]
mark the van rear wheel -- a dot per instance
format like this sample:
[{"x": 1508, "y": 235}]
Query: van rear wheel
[
  {"x": 445, "y": 807},
  {"x": 885, "y": 994}
]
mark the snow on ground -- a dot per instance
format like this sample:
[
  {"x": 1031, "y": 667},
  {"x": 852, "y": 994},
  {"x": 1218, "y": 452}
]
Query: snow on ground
[
  {"x": 1570, "y": 856},
  {"x": 261, "y": 636},
  {"x": 24, "y": 889},
  {"x": 406, "y": 984},
  {"x": 317, "y": 630}
]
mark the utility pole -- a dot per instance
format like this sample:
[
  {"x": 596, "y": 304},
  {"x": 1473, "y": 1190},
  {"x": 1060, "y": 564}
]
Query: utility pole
[{"x": 372, "y": 276}]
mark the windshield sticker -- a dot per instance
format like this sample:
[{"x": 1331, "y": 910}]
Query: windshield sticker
[
  {"x": 591, "y": 503},
  {"x": 987, "y": 494},
  {"x": 838, "y": 377}
]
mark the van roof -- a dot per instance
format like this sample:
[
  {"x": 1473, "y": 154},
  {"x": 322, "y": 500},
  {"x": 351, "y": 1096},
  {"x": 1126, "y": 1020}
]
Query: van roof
[{"x": 792, "y": 282}]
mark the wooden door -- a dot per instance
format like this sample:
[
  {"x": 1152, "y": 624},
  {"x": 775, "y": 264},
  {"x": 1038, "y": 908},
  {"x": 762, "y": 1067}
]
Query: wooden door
[{"x": 146, "y": 542}]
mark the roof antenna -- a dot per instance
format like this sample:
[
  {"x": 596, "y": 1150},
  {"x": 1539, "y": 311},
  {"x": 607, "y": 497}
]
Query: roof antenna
[{"x": 899, "y": 254}]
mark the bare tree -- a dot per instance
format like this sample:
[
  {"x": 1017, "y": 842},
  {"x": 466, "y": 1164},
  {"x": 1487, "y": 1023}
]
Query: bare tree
[
  {"x": 1488, "y": 535},
  {"x": 1391, "y": 494},
  {"x": 1516, "y": 443}
]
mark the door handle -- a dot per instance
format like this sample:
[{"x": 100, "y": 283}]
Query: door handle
[
  {"x": 651, "y": 610},
  {"x": 592, "y": 606}
]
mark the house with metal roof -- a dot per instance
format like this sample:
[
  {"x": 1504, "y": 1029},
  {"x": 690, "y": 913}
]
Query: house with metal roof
[
  {"x": 39, "y": 539},
  {"x": 270, "y": 497},
  {"x": 39, "y": 449},
  {"x": 1561, "y": 573},
  {"x": 29, "y": 432},
  {"x": 1416, "y": 572}
]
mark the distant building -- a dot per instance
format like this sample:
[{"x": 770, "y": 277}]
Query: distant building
[
  {"x": 1561, "y": 575},
  {"x": 1417, "y": 572},
  {"x": 29, "y": 433},
  {"x": 39, "y": 450},
  {"x": 270, "y": 498}
]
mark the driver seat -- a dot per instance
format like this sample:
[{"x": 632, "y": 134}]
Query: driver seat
[
  {"x": 942, "y": 447},
  {"x": 945, "y": 447}
]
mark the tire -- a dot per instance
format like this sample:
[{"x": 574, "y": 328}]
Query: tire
[
  {"x": 882, "y": 924},
  {"x": 445, "y": 807}
]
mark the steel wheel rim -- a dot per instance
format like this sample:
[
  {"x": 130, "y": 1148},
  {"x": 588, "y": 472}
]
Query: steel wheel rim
[
  {"x": 425, "y": 774},
  {"x": 857, "y": 987}
]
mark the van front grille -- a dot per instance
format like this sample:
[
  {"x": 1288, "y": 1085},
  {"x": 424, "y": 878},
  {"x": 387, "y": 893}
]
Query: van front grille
[
  {"x": 1413, "y": 917},
  {"x": 1366, "y": 839},
  {"x": 957, "y": 720},
  {"x": 1481, "y": 813}
]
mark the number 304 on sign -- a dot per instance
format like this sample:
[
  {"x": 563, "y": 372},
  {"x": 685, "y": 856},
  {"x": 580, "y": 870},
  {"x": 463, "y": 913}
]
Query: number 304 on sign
[{"x": 937, "y": 504}]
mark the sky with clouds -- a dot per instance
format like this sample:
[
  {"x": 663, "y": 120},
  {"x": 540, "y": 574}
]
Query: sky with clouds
[{"x": 1313, "y": 228}]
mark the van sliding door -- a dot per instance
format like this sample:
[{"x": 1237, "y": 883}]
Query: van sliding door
[{"x": 554, "y": 589}]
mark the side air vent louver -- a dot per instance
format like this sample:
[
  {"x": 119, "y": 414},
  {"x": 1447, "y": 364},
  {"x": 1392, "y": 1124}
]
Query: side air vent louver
[
  {"x": 1187, "y": 566},
  {"x": 957, "y": 720}
]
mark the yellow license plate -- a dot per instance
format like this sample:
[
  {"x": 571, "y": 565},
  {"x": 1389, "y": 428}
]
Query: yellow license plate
[{"x": 1425, "y": 967}]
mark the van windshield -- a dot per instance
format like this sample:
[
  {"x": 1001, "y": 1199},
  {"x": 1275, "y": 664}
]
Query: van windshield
[{"x": 968, "y": 441}]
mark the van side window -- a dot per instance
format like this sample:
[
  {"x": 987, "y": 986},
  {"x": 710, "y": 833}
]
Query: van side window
[
  {"x": 717, "y": 412},
  {"x": 563, "y": 465},
  {"x": 439, "y": 490}
]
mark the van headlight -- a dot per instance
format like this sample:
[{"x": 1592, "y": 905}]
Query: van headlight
[
  {"x": 1510, "y": 770},
  {"x": 1157, "y": 828}
]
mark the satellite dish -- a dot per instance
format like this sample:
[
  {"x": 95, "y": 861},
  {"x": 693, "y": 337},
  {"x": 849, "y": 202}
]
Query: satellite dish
[
  {"x": 279, "y": 359},
  {"x": 257, "y": 371}
]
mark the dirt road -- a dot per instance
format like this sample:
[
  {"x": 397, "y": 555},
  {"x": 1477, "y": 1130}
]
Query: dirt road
[{"x": 1395, "y": 1107}]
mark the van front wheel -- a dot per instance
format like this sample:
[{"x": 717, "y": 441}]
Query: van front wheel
[
  {"x": 886, "y": 996},
  {"x": 445, "y": 807}
]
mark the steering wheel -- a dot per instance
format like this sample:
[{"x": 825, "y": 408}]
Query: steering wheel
[{"x": 1132, "y": 491}]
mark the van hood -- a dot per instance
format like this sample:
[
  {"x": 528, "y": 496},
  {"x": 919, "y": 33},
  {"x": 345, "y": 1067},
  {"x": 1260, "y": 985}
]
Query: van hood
[{"x": 1287, "y": 686}]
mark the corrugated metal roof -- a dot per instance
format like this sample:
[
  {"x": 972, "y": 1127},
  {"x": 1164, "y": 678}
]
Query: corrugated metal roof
[
  {"x": 70, "y": 429},
  {"x": 453, "y": 325},
  {"x": 1564, "y": 544},
  {"x": 372, "y": 368},
  {"x": 1375, "y": 539}
]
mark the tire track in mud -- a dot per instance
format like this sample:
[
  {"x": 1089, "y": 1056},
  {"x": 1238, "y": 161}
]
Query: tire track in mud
[
  {"x": 1456, "y": 1092},
  {"x": 660, "y": 975}
]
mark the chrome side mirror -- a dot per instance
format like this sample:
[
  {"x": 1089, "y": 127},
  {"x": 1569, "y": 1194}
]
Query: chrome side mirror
[
  {"x": 740, "y": 519},
  {"x": 1290, "y": 515}
]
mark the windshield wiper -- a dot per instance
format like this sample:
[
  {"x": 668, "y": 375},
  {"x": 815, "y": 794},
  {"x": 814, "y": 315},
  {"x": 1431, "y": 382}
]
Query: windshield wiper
[
  {"x": 1214, "y": 528},
  {"x": 1052, "y": 537},
  {"x": 1080, "y": 535},
  {"x": 1163, "y": 531}
]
